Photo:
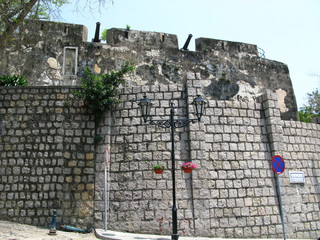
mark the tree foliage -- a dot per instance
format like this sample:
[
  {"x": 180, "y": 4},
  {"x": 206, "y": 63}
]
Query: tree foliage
[
  {"x": 312, "y": 108},
  {"x": 104, "y": 34},
  {"x": 100, "y": 91},
  {"x": 15, "y": 80},
  {"x": 14, "y": 12}
]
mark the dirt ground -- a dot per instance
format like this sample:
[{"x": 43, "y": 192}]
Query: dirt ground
[{"x": 15, "y": 231}]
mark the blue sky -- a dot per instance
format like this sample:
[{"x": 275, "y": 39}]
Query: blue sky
[{"x": 287, "y": 30}]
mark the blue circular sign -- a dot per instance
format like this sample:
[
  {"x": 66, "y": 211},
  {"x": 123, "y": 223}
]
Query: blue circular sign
[{"x": 278, "y": 165}]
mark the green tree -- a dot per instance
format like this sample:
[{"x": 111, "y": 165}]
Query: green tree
[
  {"x": 14, "y": 12},
  {"x": 100, "y": 91},
  {"x": 306, "y": 114},
  {"x": 104, "y": 34},
  {"x": 312, "y": 108}
]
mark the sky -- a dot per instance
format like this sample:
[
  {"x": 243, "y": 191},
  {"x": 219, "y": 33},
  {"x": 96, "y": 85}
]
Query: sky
[{"x": 287, "y": 30}]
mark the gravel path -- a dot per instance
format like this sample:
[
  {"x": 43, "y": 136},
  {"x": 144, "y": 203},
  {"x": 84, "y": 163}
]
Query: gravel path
[{"x": 16, "y": 231}]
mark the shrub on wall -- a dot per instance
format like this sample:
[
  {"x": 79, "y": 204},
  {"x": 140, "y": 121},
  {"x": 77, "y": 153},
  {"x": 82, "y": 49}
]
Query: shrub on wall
[
  {"x": 100, "y": 91},
  {"x": 15, "y": 80},
  {"x": 312, "y": 108},
  {"x": 104, "y": 34}
]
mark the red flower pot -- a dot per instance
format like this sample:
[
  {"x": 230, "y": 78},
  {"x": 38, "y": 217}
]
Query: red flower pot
[
  {"x": 187, "y": 170},
  {"x": 158, "y": 171}
]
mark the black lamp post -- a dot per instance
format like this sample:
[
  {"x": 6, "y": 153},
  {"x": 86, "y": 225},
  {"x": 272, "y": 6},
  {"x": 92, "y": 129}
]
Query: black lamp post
[{"x": 199, "y": 105}]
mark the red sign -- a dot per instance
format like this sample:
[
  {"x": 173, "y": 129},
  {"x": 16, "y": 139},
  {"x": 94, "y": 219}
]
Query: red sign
[{"x": 278, "y": 165}]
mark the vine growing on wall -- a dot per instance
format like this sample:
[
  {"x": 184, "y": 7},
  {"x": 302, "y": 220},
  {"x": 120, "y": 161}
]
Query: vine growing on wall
[{"x": 100, "y": 91}]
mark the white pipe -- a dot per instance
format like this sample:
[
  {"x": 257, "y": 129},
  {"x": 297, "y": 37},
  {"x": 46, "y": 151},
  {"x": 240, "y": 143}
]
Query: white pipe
[{"x": 106, "y": 195}]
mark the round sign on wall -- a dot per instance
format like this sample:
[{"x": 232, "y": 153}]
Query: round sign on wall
[{"x": 278, "y": 165}]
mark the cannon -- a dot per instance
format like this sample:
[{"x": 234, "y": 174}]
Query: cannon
[
  {"x": 97, "y": 33},
  {"x": 185, "y": 46}
]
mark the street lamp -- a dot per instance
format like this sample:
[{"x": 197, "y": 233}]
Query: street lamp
[{"x": 199, "y": 105}]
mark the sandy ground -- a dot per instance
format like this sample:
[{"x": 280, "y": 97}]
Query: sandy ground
[{"x": 15, "y": 231}]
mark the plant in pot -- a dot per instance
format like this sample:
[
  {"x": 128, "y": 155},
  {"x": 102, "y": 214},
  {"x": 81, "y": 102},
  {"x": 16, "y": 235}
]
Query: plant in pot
[
  {"x": 158, "y": 168},
  {"x": 188, "y": 167}
]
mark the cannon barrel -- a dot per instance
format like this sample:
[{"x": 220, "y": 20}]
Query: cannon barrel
[
  {"x": 97, "y": 33},
  {"x": 185, "y": 46}
]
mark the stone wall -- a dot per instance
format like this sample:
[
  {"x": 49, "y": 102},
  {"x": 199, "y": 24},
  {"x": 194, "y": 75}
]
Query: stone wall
[
  {"x": 229, "y": 146},
  {"x": 233, "y": 193},
  {"x": 53, "y": 153},
  {"x": 50, "y": 160},
  {"x": 46, "y": 156},
  {"x": 49, "y": 53},
  {"x": 302, "y": 144}
]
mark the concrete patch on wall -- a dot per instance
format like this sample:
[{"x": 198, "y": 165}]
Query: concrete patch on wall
[
  {"x": 97, "y": 69},
  {"x": 246, "y": 91},
  {"x": 52, "y": 62},
  {"x": 281, "y": 97},
  {"x": 53, "y": 75},
  {"x": 45, "y": 79}
]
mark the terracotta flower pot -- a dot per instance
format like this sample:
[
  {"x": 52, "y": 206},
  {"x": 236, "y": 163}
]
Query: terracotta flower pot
[
  {"x": 187, "y": 170},
  {"x": 158, "y": 171}
]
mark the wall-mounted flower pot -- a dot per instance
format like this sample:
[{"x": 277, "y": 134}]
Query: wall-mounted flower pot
[
  {"x": 188, "y": 167},
  {"x": 187, "y": 170},
  {"x": 158, "y": 171}
]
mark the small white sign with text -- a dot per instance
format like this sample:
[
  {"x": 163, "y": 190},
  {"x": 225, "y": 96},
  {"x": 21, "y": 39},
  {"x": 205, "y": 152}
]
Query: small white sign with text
[{"x": 296, "y": 177}]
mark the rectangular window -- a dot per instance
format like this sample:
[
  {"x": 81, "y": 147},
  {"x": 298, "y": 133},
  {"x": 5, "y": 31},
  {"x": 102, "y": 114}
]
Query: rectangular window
[{"x": 70, "y": 61}]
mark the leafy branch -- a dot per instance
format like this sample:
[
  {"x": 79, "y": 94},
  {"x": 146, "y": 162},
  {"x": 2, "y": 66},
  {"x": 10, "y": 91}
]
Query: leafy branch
[
  {"x": 312, "y": 108},
  {"x": 15, "y": 80},
  {"x": 100, "y": 91}
]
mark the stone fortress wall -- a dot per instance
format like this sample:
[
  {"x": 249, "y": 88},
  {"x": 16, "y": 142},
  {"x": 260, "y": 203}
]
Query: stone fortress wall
[
  {"x": 49, "y": 161},
  {"x": 46, "y": 157},
  {"x": 233, "y": 193},
  {"x": 52, "y": 156}
]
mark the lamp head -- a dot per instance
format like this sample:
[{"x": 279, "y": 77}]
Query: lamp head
[
  {"x": 199, "y": 106},
  {"x": 145, "y": 107}
]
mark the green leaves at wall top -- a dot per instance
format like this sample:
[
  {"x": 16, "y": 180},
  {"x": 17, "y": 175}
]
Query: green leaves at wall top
[{"x": 100, "y": 91}]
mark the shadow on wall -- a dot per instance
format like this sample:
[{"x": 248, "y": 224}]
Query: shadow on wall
[
  {"x": 0, "y": 124},
  {"x": 315, "y": 169}
]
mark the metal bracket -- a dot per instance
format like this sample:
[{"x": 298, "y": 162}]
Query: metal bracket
[{"x": 179, "y": 123}]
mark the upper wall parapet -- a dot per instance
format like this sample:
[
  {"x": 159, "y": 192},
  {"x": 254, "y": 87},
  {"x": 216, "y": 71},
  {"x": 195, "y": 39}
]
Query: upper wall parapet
[
  {"x": 233, "y": 48},
  {"x": 142, "y": 39},
  {"x": 70, "y": 34},
  {"x": 50, "y": 53},
  {"x": 131, "y": 38},
  {"x": 75, "y": 34}
]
